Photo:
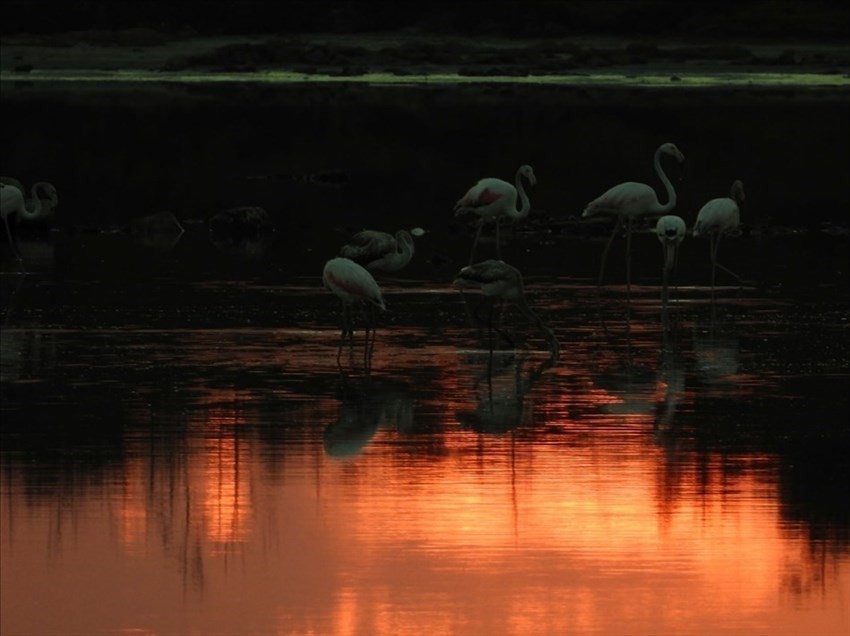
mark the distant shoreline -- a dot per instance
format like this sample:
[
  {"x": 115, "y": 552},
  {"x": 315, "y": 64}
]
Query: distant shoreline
[{"x": 405, "y": 54}]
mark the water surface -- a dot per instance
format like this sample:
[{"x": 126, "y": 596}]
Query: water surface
[{"x": 181, "y": 453}]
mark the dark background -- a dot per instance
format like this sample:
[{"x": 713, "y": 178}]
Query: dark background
[{"x": 767, "y": 19}]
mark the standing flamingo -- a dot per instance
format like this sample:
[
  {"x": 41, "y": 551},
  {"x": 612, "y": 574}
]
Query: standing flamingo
[
  {"x": 491, "y": 199},
  {"x": 670, "y": 230},
  {"x": 379, "y": 251},
  {"x": 498, "y": 280},
  {"x": 629, "y": 201},
  {"x": 718, "y": 217},
  {"x": 12, "y": 202},
  {"x": 353, "y": 284}
]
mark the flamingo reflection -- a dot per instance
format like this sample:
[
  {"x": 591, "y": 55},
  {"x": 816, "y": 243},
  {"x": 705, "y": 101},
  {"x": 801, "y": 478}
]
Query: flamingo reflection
[
  {"x": 500, "y": 389},
  {"x": 367, "y": 406}
]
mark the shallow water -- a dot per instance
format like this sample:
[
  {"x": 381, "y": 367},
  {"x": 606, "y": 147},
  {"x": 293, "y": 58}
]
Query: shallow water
[{"x": 181, "y": 453}]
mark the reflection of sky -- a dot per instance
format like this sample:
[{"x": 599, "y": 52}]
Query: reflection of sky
[
  {"x": 593, "y": 499},
  {"x": 493, "y": 534}
]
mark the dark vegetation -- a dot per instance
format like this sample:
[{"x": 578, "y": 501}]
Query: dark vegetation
[{"x": 762, "y": 19}]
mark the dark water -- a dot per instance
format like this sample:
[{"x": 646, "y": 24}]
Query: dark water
[{"x": 181, "y": 453}]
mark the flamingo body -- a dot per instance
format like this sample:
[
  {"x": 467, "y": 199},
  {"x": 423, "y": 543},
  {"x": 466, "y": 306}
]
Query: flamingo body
[
  {"x": 631, "y": 200},
  {"x": 721, "y": 215},
  {"x": 498, "y": 280},
  {"x": 718, "y": 217},
  {"x": 379, "y": 251},
  {"x": 12, "y": 203},
  {"x": 352, "y": 283},
  {"x": 492, "y": 199}
]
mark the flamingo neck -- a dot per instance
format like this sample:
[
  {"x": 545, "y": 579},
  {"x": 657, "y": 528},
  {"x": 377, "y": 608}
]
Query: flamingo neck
[
  {"x": 36, "y": 207},
  {"x": 671, "y": 193},
  {"x": 523, "y": 197}
]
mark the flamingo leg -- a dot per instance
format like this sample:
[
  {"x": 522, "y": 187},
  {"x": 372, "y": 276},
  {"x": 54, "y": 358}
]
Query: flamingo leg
[
  {"x": 629, "y": 258},
  {"x": 343, "y": 333},
  {"x": 11, "y": 239},
  {"x": 508, "y": 340},
  {"x": 607, "y": 249},
  {"x": 665, "y": 271},
  {"x": 475, "y": 242},
  {"x": 716, "y": 264}
]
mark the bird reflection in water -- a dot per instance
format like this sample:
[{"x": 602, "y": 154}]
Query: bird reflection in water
[
  {"x": 671, "y": 378},
  {"x": 500, "y": 390},
  {"x": 367, "y": 405}
]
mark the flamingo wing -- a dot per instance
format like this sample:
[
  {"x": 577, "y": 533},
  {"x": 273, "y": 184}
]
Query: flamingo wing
[
  {"x": 484, "y": 193},
  {"x": 623, "y": 199},
  {"x": 369, "y": 245},
  {"x": 719, "y": 215},
  {"x": 11, "y": 200},
  {"x": 352, "y": 282}
]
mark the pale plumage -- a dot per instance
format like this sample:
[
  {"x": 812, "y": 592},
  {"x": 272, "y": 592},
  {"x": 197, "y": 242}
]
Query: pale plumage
[
  {"x": 379, "y": 251},
  {"x": 718, "y": 217},
  {"x": 498, "y": 280},
  {"x": 628, "y": 201},
  {"x": 492, "y": 199},
  {"x": 670, "y": 230},
  {"x": 12, "y": 203},
  {"x": 353, "y": 284}
]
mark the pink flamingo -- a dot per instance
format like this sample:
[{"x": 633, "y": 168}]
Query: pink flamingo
[
  {"x": 491, "y": 199},
  {"x": 629, "y": 201},
  {"x": 379, "y": 251},
  {"x": 498, "y": 280},
  {"x": 353, "y": 284},
  {"x": 718, "y": 217}
]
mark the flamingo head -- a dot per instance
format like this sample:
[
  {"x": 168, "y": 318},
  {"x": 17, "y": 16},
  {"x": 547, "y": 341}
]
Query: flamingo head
[
  {"x": 737, "y": 192},
  {"x": 528, "y": 172},
  {"x": 673, "y": 151},
  {"x": 48, "y": 191}
]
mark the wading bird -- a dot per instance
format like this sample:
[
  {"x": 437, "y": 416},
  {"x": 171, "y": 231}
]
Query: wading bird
[
  {"x": 353, "y": 284},
  {"x": 379, "y": 251},
  {"x": 670, "y": 230},
  {"x": 629, "y": 201},
  {"x": 499, "y": 281},
  {"x": 718, "y": 217},
  {"x": 12, "y": 203},
  {"x": 491, "y": 199}
]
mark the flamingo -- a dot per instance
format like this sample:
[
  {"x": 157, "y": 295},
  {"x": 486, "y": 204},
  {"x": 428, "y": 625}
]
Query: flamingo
[
  {"x": 670, "y": 230},
  {"x": 379, "y": 251},
  {"x": 718, "y": 217},
  {"x": 491, "y": 199},
  {"x": 498, "y": 280},
  {"x": 12, "y": 202},
  {"x": 629, "y": 201},
  {"x": 353, "y": 284}
]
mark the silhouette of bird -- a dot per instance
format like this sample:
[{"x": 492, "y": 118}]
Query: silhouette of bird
[
  {"x": 12, "y": 203},
  {"x": 718, "y": 217},
  {"x": 629, "y": 201},
  {"x": 353, "y": 285},
  {"x": 379, "y": 251},
  {"x": 498, "y": 280},
  {"x": 491, "y": 199},
  {"x": 670, "y": 230}
]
